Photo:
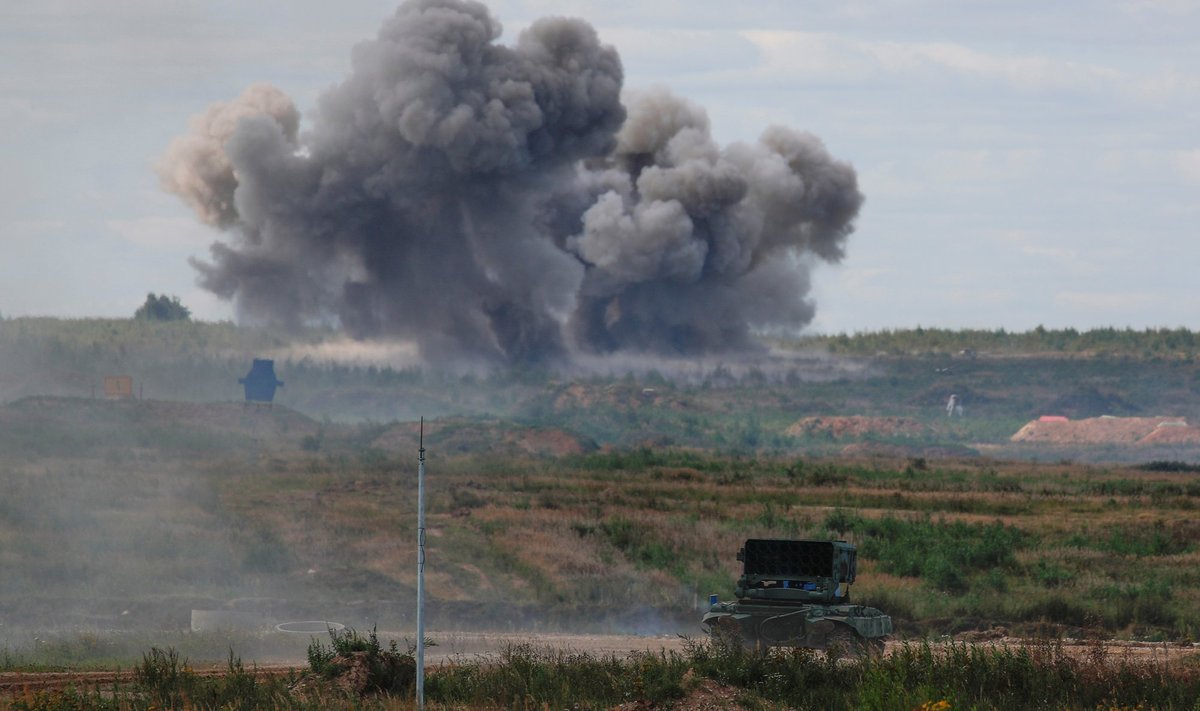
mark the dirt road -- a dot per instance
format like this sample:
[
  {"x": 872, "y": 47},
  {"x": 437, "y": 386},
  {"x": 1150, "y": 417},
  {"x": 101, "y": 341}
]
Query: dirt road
[
  {"x": 19, "y": 683},
  {"x": 458, "y": 647}
]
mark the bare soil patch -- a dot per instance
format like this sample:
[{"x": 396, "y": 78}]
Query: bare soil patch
[
  {"x": 22, "y": 683},
  {"x": 702, "y": 695},
  {"x": 855, "y": 426},
  {"x": 1109, "y": 430},
  {"x": 1166, "y": 434},
  {"x": 455, "y": 647}
]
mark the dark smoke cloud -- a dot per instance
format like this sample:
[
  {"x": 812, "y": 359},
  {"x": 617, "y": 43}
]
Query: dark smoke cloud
[
  {"x": 501, "y": 202},
  {"x": 196, "y": 166}
]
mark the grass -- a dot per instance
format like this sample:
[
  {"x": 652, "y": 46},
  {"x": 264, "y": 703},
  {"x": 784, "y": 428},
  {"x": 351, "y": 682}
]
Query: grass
[
  {"x": 912, "y": 676},
  {"x": 1015, "y": 544},
  {"x": 940, "y": 542},
  {"x": 732, "y": 408},
  {"x": 113, "y": 507},
  {"x": 383, "y": 670},
  {"x": 94, "y": 650},
  {"x": 943, "y": 552}
]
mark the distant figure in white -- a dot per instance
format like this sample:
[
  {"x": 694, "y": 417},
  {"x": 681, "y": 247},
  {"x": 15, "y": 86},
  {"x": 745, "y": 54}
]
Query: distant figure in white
[{"x": 953, "y": 407}]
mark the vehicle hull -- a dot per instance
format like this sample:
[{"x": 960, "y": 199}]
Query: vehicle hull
[{"x": 814, "y": 626}]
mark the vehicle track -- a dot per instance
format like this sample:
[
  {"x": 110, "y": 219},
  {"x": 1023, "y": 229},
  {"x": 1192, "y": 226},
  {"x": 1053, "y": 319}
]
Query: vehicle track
[
  {"x": 459, "y": 647},
  {"x": 22, "y": 682}
]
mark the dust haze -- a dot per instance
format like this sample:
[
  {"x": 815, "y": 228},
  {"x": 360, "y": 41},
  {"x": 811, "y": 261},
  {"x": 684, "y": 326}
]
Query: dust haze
[
  {"x": 507, "y": 204},
  {"x": 454, "y": 203}
]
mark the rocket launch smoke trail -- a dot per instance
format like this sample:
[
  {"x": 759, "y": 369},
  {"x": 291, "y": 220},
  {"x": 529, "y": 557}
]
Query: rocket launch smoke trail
[{"x": 501, "y": 202}]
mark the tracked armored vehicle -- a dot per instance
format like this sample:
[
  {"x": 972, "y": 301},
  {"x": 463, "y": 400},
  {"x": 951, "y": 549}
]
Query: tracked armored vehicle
[{"x": 797, "y": 594}]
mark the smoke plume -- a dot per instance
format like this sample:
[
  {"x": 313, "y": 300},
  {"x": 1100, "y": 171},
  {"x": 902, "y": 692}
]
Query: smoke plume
[{"x": 501, "y": 202}]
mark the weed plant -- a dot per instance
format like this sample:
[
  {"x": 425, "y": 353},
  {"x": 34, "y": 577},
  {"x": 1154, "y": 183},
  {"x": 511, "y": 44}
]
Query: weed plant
[
  {"x": 942, "y": 552},
  {"x": 387, "y": 670},
  {"x": 137, "y": 509},
  {"x": 911, "y": 676}
]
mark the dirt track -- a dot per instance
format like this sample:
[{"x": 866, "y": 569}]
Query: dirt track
[
  {"x": 458, "y": 645},
  {"x": 19, "y": 683},
  {"x": 470, "y": 646}
]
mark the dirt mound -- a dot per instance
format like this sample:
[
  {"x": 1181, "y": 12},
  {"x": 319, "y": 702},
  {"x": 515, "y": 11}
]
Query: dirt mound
[
  {"x": 1100, "y": 430},
  {"x": 701, "y": 695},
  {"x": 855, "y": 427},
  {"x": 1169, "y": 433},
  {"x": 362, "y": 673},
  {"x": 461, "y": 435}
]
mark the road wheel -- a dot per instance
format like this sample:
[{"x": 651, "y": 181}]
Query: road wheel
[
  {"x": 844, "y": 643},
  {"x": 729, "y": 631}
]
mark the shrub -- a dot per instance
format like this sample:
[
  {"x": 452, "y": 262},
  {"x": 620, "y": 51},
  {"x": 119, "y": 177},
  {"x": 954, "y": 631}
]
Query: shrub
[
  {"x": 1136, "y": 542},
  {"x": 163, "y": 677},
  {"x": 168, "y": 682},
  {"x": 943, "y": 552},
  {"x": 1160, "y": 465},
  {"x": 264, "y": 551},
  {"x": 639, "y": 546},
  {"x": 386, "y": 670},
  {"x": 840, "y": 521},
  {"x": 1050, "y": 575},
  {"x": 162, "y": 308}
]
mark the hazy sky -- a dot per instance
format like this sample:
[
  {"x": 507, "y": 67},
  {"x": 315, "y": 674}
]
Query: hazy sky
[{"x": 1024, "y": 162}]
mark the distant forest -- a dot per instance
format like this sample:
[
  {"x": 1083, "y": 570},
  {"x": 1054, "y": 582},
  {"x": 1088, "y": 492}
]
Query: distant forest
[
  {"x": 1126, "y": 342},
  {"x": 193, "y": 338}
]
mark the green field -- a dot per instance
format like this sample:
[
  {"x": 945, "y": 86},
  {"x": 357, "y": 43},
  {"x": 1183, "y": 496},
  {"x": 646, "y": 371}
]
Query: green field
[
  {"x": 354, "y": 671},
  {"x": 584, "y": 500}
]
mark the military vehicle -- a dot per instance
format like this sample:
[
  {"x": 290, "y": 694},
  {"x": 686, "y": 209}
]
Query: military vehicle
[{"x": 797, "y": 594}]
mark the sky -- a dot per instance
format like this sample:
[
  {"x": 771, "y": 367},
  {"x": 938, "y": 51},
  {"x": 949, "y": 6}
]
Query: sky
[{"x": 1024, "y": 163}]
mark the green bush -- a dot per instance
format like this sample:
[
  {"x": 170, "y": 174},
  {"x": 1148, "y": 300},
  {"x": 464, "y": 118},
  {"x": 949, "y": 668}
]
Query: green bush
[
  {"x": 1050, "y": 575},
  {"x": 164, "y": 678},
  {"x": 1145, "y": 603},
  {"x": 525, "y": 677},
  {"x": 264, "y": 551},
  {"x": 909, "y": 676},
  {"x": 639, "y": 545},
  {"x": 388, "y": 670},
  {"x": 162, "y": 308},
  {"x": 945, "y": 553},
  {"x": 164, "y": 681},
  {"x": 1160, "y": 465},
  {"x": 1137, "y": 542}
]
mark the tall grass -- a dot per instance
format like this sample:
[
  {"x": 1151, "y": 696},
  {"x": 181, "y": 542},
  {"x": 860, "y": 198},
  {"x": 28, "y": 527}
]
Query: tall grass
[
  {"x": 943, "y": 552},
  {"x": 911, "y": 676},
  {"x": 961, "y": 675}
]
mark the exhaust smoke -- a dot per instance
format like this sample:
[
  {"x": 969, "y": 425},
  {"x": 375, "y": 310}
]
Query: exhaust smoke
[{"x": 501, "y": 203}]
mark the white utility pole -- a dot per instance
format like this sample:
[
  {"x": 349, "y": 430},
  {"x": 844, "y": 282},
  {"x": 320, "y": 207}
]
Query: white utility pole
[{"x": 421, "y": 569}]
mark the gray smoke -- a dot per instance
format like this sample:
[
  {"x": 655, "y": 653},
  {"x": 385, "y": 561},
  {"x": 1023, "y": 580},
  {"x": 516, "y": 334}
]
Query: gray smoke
[
  {"x": 196, "y": 166},
  {"x": 501, "y": 202}
]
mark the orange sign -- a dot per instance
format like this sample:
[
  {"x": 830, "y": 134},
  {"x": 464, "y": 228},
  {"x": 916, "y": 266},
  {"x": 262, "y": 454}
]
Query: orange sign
[{"x": 118, "y": 387}]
